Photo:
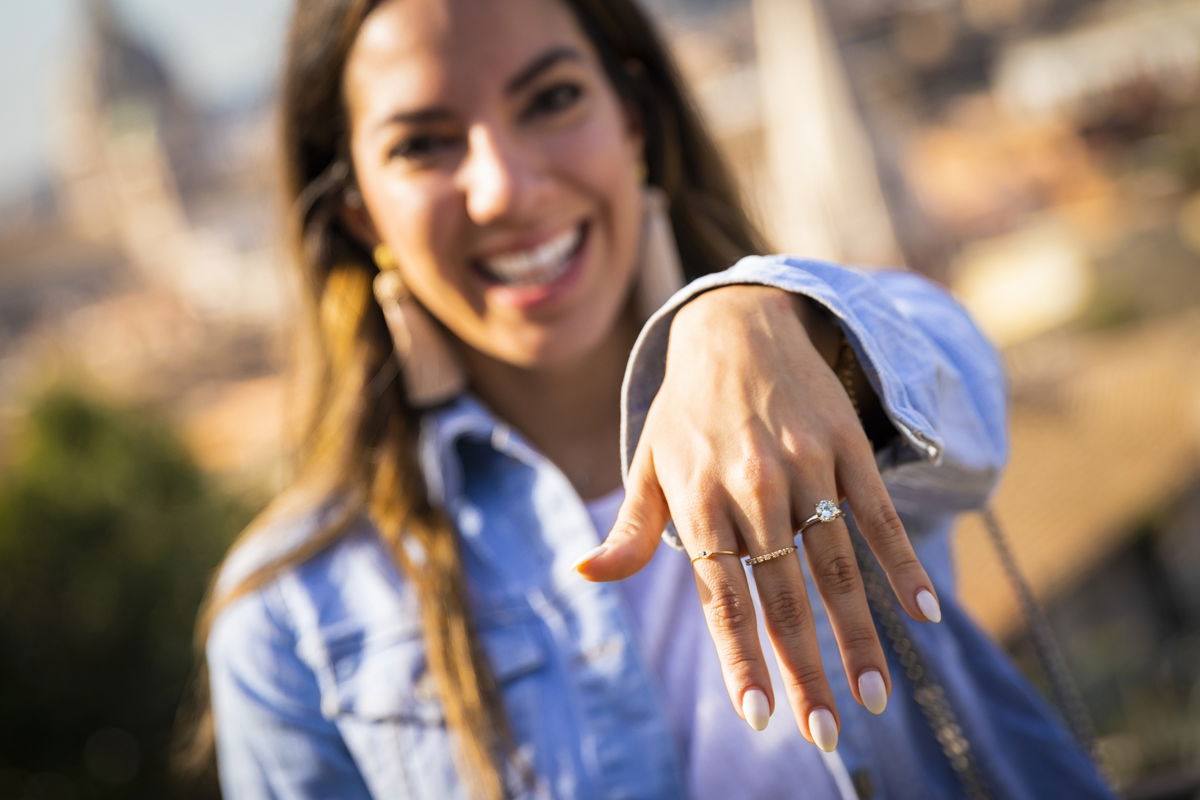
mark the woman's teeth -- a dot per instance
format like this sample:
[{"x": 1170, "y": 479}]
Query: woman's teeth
[{"x": 537, "y": 265}]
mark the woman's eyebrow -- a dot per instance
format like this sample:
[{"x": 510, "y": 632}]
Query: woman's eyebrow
[
  {"x": 414, "y": 117},
  {"x": 545, "y": 61},
  {"x": 540, "y": 64}
]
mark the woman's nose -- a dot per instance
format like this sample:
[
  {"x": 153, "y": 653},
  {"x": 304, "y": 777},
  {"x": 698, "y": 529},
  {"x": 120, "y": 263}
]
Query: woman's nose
[{"x": 501, "y": 178}]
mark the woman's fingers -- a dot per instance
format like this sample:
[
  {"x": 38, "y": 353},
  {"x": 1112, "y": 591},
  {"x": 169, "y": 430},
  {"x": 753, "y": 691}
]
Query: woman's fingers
[
  {"x": 763, "y": 513},
  {"x": 729, "y": 612},
  {"x": 876, "y": 518},
  {"x": 834, "y": 569},
  {"x": 789, "y": 622},
  {"x": 631, "y": 543},
  {"x": 720, "y": 580}
]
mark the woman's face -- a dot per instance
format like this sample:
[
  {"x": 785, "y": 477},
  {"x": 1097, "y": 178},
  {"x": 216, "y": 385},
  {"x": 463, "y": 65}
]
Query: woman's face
[{"x": 498, "y": 164}]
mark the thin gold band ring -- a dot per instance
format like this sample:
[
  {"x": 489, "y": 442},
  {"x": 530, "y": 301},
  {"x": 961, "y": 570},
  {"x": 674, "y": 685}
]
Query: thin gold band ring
[
  {"x": 711, "y": 553},
  {"x": 780, "y": 553}
]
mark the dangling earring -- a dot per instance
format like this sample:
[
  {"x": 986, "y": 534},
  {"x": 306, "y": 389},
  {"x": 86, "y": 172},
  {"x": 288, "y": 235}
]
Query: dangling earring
[
  {"x": 660, "y": 274},
  {"x": 432, "y": 373}
]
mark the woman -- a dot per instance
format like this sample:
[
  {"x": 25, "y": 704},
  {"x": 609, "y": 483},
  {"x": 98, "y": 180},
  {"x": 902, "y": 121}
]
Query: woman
[{"x": 485, "y": 195}]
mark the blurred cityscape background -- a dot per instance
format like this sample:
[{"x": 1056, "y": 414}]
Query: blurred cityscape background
[{"x": 1040, "y": 157}]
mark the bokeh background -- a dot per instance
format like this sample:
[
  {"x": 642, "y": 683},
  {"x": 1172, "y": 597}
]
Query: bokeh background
[{"x": 1040, "y": 157}]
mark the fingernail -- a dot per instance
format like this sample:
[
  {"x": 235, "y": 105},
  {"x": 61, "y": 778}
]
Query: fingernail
[
  {"x": 756, "y": 709},
  {"x": 929, "y": 605},
  {"x": 872, "y": 691},
  {"x": 823, "y": 728},
  {"x": 588, "y": 556}
]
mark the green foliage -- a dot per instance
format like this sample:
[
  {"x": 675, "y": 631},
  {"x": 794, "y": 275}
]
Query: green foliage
[{"x": 108, "y": 533}]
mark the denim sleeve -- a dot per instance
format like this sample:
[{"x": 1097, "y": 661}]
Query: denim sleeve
[
  {"x": 272, "y": 739},
  {"x": 939, "y": 380}
]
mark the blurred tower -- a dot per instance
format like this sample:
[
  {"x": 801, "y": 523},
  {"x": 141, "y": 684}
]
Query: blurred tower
[
  {"x": 129, "y": 159},
  {"x": 126, "y": 141},
  {"x": 826, "y": 199}
]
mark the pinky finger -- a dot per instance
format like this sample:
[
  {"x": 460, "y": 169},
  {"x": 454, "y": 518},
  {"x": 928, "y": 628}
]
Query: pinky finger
[{"x": 881, "y": 526}]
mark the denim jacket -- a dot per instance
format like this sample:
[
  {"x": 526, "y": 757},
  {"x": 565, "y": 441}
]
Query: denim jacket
[{"x": 319, "y": 681}]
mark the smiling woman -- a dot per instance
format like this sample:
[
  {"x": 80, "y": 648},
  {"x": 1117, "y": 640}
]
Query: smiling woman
[
  {"x": 502, "y": 178},
  {"x": 498, "y": 206}
]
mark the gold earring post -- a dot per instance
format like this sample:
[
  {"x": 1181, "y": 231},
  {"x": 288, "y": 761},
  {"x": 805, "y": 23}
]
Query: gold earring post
[{"x": 383, "y": 257}]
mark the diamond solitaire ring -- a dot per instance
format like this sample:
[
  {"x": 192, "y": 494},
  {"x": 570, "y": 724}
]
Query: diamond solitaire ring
[{"x": 826, "y": 511}]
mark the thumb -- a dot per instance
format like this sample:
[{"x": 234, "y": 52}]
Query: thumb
[{"x": 635, "y": 535}]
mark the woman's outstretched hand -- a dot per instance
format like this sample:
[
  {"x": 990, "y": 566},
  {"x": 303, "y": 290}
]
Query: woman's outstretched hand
[{"x": 750, "y": 429}]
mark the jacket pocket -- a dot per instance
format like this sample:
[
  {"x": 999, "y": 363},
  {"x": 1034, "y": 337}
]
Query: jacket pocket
[
  {"x": 389, "y": 714},
  {"x": 387, "y": 676}
]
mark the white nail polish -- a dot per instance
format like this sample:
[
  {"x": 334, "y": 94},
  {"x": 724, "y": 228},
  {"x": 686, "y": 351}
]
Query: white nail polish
[
  {"x": 872, "y": 691},
  {"x": 823, "y": 728},
  {"x": 588, "y": 556},
  {"x": 929, "y": 605},
  {"x": 756, "y": 709}
]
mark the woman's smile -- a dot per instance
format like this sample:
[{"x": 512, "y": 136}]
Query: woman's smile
[{"x": 536, "y": 274}]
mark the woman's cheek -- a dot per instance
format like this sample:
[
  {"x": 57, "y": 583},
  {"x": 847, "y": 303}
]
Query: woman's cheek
[{"x": 425, "y": 229}]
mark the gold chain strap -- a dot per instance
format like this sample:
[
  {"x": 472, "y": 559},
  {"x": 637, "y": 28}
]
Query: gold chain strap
[
  {"x": 927, "y": 689},
  {"x": 1062, "y": 687},
  {"x": 845, "y": 368},
  {"x": 928, "y": 693}
]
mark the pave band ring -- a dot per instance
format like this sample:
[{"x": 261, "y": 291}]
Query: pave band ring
[
  {"x": 780, "y": 553},
  {"x": 710, "y": 553},
  {"x": 826, "y": 511}
]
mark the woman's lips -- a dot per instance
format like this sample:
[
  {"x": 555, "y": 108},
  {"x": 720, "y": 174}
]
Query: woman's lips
[
  {"x": 525, "y": 296},
  {"x": 540, "y": 263}
]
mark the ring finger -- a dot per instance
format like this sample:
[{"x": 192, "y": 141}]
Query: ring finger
[{"x": 834, "y": 568}]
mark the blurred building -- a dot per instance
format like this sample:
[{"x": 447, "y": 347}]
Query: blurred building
[
  {"x": 159, "y": 276},
  {"x": 136, "y": 165}
]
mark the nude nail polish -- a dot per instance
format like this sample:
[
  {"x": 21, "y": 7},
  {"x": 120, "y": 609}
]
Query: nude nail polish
[
  {"x": 872, "y": 690},
  {"x": 756, "y": 709},
  {"x": 929, "y": 605},
  {"x": 823, "y": 728}
]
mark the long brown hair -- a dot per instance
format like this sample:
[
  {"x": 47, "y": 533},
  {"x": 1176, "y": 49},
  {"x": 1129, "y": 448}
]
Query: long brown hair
[{"x": 358, "y": 450}]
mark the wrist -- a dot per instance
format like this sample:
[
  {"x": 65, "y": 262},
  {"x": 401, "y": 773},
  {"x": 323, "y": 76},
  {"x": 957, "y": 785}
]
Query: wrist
[{"x": 711, "y": 310}]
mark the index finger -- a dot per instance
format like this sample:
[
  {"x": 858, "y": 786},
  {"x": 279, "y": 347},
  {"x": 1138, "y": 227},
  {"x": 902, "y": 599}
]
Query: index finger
[{"x": 729, "y": 612}]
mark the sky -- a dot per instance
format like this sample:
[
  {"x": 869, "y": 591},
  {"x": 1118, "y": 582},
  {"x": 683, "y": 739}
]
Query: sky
[{"x": 219, "y": 50}]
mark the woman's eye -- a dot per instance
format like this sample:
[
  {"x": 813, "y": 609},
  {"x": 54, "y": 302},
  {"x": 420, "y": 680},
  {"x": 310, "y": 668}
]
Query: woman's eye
[
  {"x": 418, "y": 148},
  {"x": 556, "y": 98}
]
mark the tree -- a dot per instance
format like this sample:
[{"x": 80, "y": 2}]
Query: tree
[{"x": 108, "y": 534}]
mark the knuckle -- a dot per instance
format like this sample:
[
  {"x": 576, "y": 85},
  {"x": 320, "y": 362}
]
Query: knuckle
[
  {"x": 729, "y": 610},
  {"x": 753, "y": 467},
  {"x": 848, "y": 430},
  {"x": 803, "y": 445},
  {"x": 907, "y": 562},
  {"x": 736, "y": 660},
  {"x": 887, "y": 527},
  {"x": 807, "y": 678},
  {"x": 755, "y": 474},
  {"x": 809, "y": 459},
  {"x": 788, "y": 613},
  {"x": 859, "y": 638},
  {"x": 789, "y": 443},
  {"x": 838, "y": 574},
  {"x": 701, "y": 521}
]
